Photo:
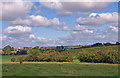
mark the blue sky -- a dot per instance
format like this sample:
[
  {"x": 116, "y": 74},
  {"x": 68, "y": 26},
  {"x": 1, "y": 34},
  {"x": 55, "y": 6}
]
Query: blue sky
[{"x": 48, "y": 25}]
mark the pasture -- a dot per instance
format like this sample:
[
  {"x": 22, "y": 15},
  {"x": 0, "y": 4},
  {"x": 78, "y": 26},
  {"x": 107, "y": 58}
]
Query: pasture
[
  {"x": 59, "y": 69},
  {"x": 7, "y": 58},
  {"x": 93, "y": 49}
]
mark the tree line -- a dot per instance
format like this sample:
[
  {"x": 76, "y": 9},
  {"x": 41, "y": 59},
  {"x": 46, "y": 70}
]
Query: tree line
[{"x": 8, "y": 50}]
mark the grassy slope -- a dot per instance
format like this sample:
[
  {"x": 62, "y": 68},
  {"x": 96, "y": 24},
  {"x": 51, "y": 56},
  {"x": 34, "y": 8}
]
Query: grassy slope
[
  {"x": 75, "y": 51},
  {"x": 59, "y": 69}
]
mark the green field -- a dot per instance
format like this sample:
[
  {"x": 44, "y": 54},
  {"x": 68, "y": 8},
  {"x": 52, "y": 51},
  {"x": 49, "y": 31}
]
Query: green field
[
  {"x": 56, "y": 68},
  {"x": 93, "y": 49},
  {"x": 59, "y": 69},
  {"x": 8, "y": 58}
]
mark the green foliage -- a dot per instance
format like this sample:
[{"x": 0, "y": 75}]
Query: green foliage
[
  {"x": 21, "y": 52},
  {"x": 32, "y": 55},
  {"x": 13, "y": 59},
  {"x": 117, "y": 43},
  {"x": 97, "y": 44},
  {"x": 60, "y": 48},
  {"x": 103, "y": 55},
  {"x": 7, "y": 49},
  {"x": 107, "y": 44},
  {"x": 86, "y": 46},
  {"x": 36, "y": 47},
  {"x": 26, "y": 48},
  {"x": 12, "y": 48},
  {"x": 36, "y": 55},
  {"x": 75, "y": 60}
]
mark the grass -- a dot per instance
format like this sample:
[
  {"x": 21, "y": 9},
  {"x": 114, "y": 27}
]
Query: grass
[
  {"x": 7, "y": 58},
  {"x": 93, "y": 49},
  {"x": 59, "y": 69}
]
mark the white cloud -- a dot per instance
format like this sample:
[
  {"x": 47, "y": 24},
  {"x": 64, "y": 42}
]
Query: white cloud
[
  {"x": 78, "y": 0},
  {"x": 37, "y": 21},
  {"x": 13, "y": 10},
  {"x": 32, "y": 36},
  {"x": 41, "y": 21},
  {"x": 87, "y": 36},
  {"x": 39, "y": 39},
  {"x": 43, "y": 40},
  {"x": 113, "y": 28},
  {"x": 97, "y": 19},
  {"x": 20, "y": 36},
  {"x": 26, "y": 41},
  {"x": 17, "y": 30},
  {"x": 79, "y": 27},
  {"x": 67, "y": 8},
  {"x": 89, "y": 31},
  {"x": 2, "y": 38},
  {"x": 100, "y": 36}
]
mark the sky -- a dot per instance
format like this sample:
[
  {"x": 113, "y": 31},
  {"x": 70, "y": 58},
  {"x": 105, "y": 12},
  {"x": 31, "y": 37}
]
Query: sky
[{"x": 29, "y": 24}]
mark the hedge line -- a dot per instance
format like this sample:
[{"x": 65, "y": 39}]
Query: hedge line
[
  {"x": 104, "y": 55},
  {"x": 49, "y": 56}
]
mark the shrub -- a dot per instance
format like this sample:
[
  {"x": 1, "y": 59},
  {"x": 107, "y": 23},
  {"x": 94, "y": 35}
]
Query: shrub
[
  {"x": 75, "y": 60},
  {"x": 104, "y": 55},
  {"x": 36, "y": 55},
  {"x": 13, "y": 59}
]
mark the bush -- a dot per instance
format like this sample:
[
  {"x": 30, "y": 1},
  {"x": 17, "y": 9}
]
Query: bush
[
  {"x": 21, "y": 52},
  {"x": 13, "y": 59},
  {"x": 75, "y": 60},
  {"x": 48, "y": 56},
  {"x": 104, "y": 55}
]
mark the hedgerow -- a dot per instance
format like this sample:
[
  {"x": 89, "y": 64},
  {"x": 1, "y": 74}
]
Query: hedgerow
[
  {"x": 104, "y": 55},
  {"x": 96, "y": 55},
  {"x": 48, "y": 56}
]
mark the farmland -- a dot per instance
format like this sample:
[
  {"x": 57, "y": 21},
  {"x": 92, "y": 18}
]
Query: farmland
[
  {"x": 74, "y": 68},
  {"x": 8, "y": 58},
  {"x": 59, "y": 69},
  {"x": 93, "y": 49}
]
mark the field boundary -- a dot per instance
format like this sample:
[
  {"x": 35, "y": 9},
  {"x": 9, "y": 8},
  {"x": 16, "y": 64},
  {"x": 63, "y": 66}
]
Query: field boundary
[{"x": 58, "y": 63}]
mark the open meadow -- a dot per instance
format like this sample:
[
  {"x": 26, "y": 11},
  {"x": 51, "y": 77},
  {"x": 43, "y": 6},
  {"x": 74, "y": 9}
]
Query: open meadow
[
  {"x": 59, "y": 68},
  {"x": 59, "y": 38}
]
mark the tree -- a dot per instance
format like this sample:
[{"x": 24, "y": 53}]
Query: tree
[
  {"x": 97, "y": 44},
  {"x": 7, "y": 49},
  {"x": 107, "y": 44},
  {"x": 12, "y": 48},
  {"x": 13, "y": 59},
  {"x": 117, "y": 43},
  {"x": 22, "y": 52},
  {"x": 36, "y": 47},
  {"x": 59, "y": 48},
  {"x": 62, "y": 47},
  {"x": 26, "y": 48},
  {"x": 34, "y": 53}
]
